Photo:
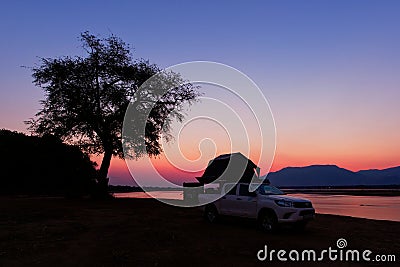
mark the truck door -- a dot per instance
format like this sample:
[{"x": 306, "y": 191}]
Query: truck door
[
  {"x": 246, "y": 202},
  {"x": 227, "y": 202}
]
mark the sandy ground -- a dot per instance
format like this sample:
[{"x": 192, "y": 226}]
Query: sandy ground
[{"x": 145, "y": 232}]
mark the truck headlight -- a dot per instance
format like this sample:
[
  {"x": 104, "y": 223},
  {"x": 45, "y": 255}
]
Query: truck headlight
[{"x": 284, "y": 203}]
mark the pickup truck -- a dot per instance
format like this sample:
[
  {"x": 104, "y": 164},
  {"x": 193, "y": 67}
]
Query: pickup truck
[{"x": 268, "y": 205}]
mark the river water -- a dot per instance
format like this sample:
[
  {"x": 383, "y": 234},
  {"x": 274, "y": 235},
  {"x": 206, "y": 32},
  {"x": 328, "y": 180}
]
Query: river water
[{"x": 370, "y": 207}]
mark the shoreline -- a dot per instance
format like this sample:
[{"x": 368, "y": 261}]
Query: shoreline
[
  {"x": 356, "y": 191},
  {"x": 347, "y": 192}
]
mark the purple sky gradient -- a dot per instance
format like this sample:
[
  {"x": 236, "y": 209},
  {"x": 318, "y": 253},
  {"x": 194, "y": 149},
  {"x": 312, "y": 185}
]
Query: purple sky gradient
[{"x": 330, "y": 69}]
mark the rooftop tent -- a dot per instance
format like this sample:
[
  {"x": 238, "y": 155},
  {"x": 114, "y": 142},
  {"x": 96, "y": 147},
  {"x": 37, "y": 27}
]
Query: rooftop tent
[{"x": 228, "y": 167}]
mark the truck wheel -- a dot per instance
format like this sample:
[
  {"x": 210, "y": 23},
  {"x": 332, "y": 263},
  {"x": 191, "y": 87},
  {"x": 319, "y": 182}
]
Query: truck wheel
[
  {"x": 211, "y": 214},
  {"x": 268, "y": 221}
]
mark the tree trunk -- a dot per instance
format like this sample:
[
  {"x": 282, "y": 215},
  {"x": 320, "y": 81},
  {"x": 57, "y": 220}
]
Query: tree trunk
[
  {"x": 105, "y": 164},
  {"x": 102, "y": 179}
]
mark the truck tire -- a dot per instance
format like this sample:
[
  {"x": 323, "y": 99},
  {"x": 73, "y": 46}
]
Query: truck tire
[
  {"x": 267, "y": 221},
  {"x": 211, "y": 214}
]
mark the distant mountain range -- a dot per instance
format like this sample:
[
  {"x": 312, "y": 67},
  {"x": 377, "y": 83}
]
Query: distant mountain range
[{"x": 332, "y": 175}]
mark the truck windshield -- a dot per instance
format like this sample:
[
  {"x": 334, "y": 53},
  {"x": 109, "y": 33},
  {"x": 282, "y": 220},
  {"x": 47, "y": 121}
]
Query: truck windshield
[{"x": 269, "y": 190}]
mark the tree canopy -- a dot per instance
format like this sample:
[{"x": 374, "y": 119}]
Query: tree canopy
[{"x": 86, "y": 98}]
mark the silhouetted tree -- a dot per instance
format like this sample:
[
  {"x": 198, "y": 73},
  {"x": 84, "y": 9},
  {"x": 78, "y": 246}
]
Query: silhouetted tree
[{"x": 86, "y": 99}]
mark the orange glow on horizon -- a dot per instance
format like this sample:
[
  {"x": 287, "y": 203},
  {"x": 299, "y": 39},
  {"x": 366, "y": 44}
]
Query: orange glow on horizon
[{"x": 119, "y": 172}]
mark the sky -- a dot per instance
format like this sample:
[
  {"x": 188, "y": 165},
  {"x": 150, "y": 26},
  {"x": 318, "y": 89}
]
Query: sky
[{"x": 330, "y": 70}]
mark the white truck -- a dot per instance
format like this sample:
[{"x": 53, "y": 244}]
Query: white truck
[{"x": 269, "y": 205}]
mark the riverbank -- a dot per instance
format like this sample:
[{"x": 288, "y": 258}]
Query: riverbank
[
  {"x": 145, "y": 232},
  {"x": 392, "y": 190},
  {"x": 345, "y": 191}
]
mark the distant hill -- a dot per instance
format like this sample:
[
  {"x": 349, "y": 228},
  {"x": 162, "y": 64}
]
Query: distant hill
[
  {"x": 386, "y": 174},
  {"x": 332, "y": 175}
]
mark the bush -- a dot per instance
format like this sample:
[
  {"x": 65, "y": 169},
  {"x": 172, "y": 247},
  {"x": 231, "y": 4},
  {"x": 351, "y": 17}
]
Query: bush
[{"x": 43, "y": 166}]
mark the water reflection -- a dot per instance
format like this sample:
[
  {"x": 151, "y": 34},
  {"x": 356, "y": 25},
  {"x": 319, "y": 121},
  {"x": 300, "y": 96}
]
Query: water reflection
[
  {"x": 370, "y": 207},
  {"x": 178, "y": 195}
]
